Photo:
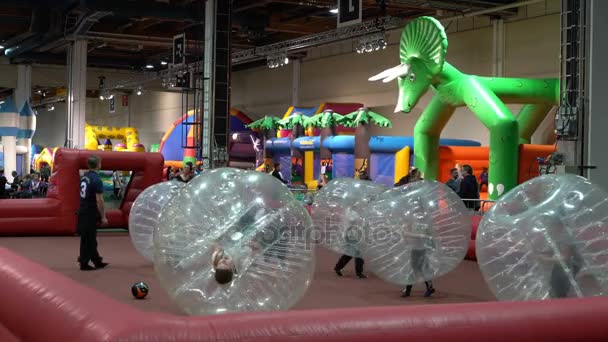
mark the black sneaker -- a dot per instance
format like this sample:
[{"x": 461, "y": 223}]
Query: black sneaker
[
  {"x": 101, "y": 264},
  {"x": 406, "y": 292},
  {"x": 361, "y": 276},
  {"x": 87, "y": 267},
  {"x": 429, "y": 292},
  {"x": 338, "y": 272}
]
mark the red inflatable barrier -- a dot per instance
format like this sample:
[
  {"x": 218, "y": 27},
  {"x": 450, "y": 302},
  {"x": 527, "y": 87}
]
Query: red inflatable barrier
[
  {"x": 56, "y": 214},
  {"x": 41, "y": 305}
]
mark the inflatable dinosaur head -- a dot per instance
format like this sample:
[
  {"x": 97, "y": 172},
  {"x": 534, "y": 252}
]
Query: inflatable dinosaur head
[{"x": 422, "y": 51}]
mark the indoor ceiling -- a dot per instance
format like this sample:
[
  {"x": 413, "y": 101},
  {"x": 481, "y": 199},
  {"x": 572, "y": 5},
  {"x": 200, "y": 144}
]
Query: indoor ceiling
[{"x": 129, "y": 34}]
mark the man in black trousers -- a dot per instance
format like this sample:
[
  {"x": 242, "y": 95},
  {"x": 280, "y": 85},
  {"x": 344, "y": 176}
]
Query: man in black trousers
[{"x": 90, "y": 214}]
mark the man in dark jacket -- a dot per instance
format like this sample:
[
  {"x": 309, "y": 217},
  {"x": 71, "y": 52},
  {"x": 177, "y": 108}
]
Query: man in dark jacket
[
  {"x": 469, "y": 188},
  {"x": 277, "y": 173}
]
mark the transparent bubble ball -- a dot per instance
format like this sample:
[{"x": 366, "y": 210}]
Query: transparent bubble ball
[
  {"x": 256, "y": 222},
  {"x": 547, "y": 238},
  {"x": 417, "y": 232},
  {"x": 336, "y": 213},
  {"x": 143, "y": 218}
]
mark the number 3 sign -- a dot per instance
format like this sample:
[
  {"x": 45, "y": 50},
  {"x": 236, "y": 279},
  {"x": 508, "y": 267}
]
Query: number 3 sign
[{"x": 349, "y": 12}]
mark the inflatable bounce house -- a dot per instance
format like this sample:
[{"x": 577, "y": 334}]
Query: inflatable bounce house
[
  {"x": 240, "y": 149},
  {"x": 128, "y": 136},
  {"x": 19, "y": 127},
  {"x": 391, "y": 156}
]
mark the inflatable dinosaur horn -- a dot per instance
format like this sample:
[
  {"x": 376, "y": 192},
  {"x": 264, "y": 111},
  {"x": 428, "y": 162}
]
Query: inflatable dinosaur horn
[{"x": 422, "y": 51}]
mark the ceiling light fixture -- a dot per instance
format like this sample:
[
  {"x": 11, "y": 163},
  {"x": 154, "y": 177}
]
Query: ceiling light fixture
[
  {"x": 372, "y": 43},
  {"x": 1, "y": 102},
  {"x": 163, "y": 63},
  {"x": 149, "y": 66},
  {"x": 277, "y": 60},
  {"x": 334, "y": 11},
  {"x": 139, "y": 90}
]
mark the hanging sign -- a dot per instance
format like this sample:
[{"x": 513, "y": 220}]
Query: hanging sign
[
  {"x": 112, "y": 103},
  {"x": 179, "y": 50},
  {"x": 349, "y": 12}
]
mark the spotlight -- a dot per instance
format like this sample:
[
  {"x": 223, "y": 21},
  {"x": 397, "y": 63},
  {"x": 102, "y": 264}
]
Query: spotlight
[
  {"x": 334, "y": 11},
  {"x": 286, "y": 60},
  {"x": 149, "y": 66},
  {"x": 139, "y": 90},
  {"x": 50, "y": 108},
  {"x": 109, "y": 97},
  {"x": 101, "y": 97},
  {"x": 163, "y": 63},
  {"x": 1, "y": 47},
  {"x": 373, "y": 42},
  {"x": 1, "y": 102}
]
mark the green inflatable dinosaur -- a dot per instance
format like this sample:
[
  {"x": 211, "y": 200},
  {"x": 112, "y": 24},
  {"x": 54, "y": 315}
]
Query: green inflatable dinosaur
[{"x": 422, "y": 49}]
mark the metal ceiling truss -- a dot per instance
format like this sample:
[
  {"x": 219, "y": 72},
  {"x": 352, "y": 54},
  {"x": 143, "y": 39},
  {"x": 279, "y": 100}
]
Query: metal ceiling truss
[
  {"x": 253, "y": 54},
  {"x": 343, "y": 33}
]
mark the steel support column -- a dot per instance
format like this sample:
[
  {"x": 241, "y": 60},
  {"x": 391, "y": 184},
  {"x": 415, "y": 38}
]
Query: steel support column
[
  {"x": 295, "y": 83},
  {"x": 23, "y": 93},
  {"x": 216, "y": 93},
  {"x": 77, "y": 94},
  {"x": 498, "y": 47},
  {"x": 596, "y": 121}
]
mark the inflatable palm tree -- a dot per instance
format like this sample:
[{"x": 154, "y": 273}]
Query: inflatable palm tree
[
  {"x": 269, "y": 126},
  {"x": 296, "y": 122},
  {"x": 422, "y": 52},
  {"x": 360, "y": 119},
  {"x": 327, "y": 120}
]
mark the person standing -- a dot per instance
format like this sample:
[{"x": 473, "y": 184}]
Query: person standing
[
  {"x": 469, "y": 189},
  {"x": 418, "y": 258},
  {"x": 3, "y": 182},
  {"x": 454, "y": 182},
  {"x": 277, "y": 173},
  {"x": 483, "y": 178},
  {"x": 117, "y": 180},
  {"x": 90, "y": 214}
]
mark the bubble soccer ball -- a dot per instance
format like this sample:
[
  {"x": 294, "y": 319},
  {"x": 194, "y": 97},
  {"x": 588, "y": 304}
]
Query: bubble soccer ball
[
  {"x": 337, "y": 210},
  {"x": 547, "y": 238},
  {"x": 145, "y": 211},
  {"x": 417, "y": 232},
  {"x": 259, "y": 231},
  {"x": 140, "y": 290}
]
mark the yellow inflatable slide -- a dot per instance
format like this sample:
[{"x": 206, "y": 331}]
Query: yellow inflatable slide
[{"x": 128, "y": 135}]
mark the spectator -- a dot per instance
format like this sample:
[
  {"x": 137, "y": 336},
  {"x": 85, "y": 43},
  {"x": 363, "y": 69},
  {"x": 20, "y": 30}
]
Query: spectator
[
  {"x": 117, "y": 182},
  {"x": 45, "y": 172},
  {"x": 24, "y": 190},
  {"x": 36, "y": 186},
  {"x": 16, "y": 181},
  {"x": 187, "y": 174},
  {"x": 277, "y": 173},
  {"x": 3, "y": 182},
  {"x": 483, "y": 177},
  {"x": 454, "y": 182},
  {"x": 169, "y": 173},
  {"x": 469, "y": 189}
]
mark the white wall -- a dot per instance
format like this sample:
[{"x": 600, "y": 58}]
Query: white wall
[
  {"x": 50, "y": 126},
  {"x": 334, "y": 73},
  {"x": 152, "y": 113}
]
